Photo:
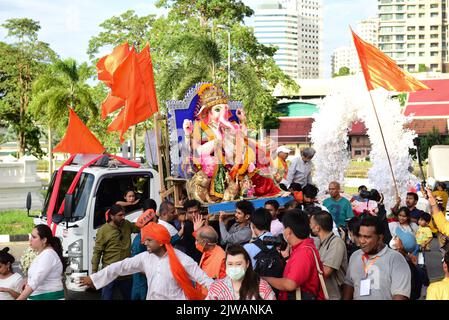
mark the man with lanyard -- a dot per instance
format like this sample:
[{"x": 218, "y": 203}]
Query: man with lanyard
[
  {"x": 376, "y": 272},
  {"x": 332, "y": 251}
]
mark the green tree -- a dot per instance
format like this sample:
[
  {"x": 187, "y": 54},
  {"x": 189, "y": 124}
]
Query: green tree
[
  {"x": 223, "y": 11},
  {"x": 63, "y": 85},
  {"x": 343, "y": 71},
  {"x": 128, "y": 27},
  {"x": 431, "y": 138},
  {"x": 422, "y": 68},
  {"x": 20, "y": 63}
]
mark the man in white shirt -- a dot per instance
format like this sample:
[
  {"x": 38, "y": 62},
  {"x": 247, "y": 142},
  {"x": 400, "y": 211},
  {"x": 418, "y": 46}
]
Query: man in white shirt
[
  {"x": 170, "y": 273},
  {"x": 166, "y": 216},
  {"x": 300, "y": 169}
]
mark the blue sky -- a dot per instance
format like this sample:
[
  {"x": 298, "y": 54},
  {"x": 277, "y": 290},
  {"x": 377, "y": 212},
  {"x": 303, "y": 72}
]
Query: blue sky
[{"x": 67, "y": 25}]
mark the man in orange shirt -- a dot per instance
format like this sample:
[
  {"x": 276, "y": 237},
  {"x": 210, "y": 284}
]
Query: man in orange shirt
[{"x": 213, "y": 260}]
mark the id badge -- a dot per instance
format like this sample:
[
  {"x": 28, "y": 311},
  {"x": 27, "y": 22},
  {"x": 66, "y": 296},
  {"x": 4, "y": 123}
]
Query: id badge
[
  {"x": 365, "y": 287},
  {"x": 420, "y": 258}
]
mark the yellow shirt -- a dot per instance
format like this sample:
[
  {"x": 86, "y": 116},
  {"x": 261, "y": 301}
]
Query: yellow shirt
[
  {"x": 438, "y": 290},
  {"x": 423, "y": 234},
  {"x": 443, "y": 195},
  {"x": 441, "y": 223}
]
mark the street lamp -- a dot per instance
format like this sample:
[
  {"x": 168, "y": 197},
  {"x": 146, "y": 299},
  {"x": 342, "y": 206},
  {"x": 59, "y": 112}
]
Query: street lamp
[{"x": 228, "y": 30}]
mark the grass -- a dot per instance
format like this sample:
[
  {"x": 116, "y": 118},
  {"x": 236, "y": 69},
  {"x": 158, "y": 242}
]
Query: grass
[{"x": 14, "y": 222}]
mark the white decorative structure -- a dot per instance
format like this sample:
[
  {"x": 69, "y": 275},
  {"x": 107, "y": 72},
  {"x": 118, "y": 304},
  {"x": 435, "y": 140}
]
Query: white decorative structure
[
  {"x": 348, "y": 102},
  {"x": 18, "y": 177}
]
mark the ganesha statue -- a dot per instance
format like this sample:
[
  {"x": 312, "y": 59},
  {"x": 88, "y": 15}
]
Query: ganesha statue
[{"x": 220, "y": 147}]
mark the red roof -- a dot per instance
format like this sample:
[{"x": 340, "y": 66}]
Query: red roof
[
  {"x": 423, "y": 126},
  {"x": 430, "y": 103},
  {"x": 358, "y": 129},
  {"x": 438, "y": 93},
  {"x": 295, "y": 127}
]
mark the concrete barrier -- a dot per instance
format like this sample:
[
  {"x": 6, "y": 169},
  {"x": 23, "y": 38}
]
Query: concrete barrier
[{"x": 17, "y": 178}]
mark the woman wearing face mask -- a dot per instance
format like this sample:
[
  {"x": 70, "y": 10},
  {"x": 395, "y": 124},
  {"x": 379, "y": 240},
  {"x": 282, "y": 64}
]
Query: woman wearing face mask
[
  {"x": 241, "y": 282},
  {"x": 403, "y": 222}
]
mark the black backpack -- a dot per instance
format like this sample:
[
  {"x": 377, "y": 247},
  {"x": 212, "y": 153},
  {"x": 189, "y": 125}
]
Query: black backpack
[{"x": 269, "y": 262}]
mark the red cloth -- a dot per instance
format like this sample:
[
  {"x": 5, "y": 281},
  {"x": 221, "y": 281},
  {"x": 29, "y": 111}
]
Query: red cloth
[
  {"x": 301, "y": 268},
  {"x": 264, "y": 187}
]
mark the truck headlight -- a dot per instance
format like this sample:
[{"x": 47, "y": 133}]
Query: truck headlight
[
  {"x": 75, "y": 253},
  {"x": 76, "y": 263}
]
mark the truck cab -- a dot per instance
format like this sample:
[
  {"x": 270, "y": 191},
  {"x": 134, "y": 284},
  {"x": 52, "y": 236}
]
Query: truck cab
[{"x": 99, "y": 187}]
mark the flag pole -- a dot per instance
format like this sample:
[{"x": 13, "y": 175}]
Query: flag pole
[{"x": 385, "y": 145}]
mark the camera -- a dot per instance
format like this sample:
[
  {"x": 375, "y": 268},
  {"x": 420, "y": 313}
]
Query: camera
[
  {"x": 372, "y": 194},
  {"x": 277, "y": 241}
]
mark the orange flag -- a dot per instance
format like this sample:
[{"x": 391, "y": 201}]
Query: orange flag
[
  {"x": 78, "y": 138},
  {"x": 133, "y": 82},
  {"x": 110, "y": 104},
  {"x": 381, "y": 71},
  {"x": 107, "y": 65}
]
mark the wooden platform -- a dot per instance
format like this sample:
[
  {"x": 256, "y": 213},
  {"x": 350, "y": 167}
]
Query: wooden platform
[{"x": 230, "y": 206}]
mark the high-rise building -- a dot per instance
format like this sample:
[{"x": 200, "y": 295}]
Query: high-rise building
[
  {"x": 368, "y": 30},
  {"x": 346, "y": 56},
  {"x": 296, "y": 28},
  {"x": 414, "y": 33}
]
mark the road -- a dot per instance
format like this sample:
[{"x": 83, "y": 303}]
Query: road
[{"x": 433, "y": 263}]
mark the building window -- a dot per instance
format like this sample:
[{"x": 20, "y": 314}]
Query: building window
[
  {"x": 434, "y": 36},
  {"x": 358, "y": 152},
  {"x": 411, "y": 45},
  {"x": 411, "y": 37},
  {"x": 422, "y": 28},
  {"x": 433, "y": 14},
  {"x": 434, "y": 53},
  {"x": 411, "y": 28}
]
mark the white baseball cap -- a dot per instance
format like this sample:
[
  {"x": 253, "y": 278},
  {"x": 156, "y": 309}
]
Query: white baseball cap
[{"x": 283, "y": 149}]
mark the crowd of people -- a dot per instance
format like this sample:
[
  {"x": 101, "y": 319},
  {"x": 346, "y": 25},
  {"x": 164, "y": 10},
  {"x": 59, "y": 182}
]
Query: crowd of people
[{"x": 306, "y": 250}]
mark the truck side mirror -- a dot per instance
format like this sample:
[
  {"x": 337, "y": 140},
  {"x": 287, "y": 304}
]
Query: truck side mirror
[
  {"x": 68, "y": 205},
  {"x": 28, "y": 201}
]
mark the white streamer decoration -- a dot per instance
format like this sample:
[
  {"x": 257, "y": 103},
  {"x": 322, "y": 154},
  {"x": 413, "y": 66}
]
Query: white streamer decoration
[{"x": 349, "y": 101}]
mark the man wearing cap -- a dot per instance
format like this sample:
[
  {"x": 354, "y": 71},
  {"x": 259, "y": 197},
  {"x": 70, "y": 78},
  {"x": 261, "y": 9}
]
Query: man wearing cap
[
  {"x": 405, "y": 243},
  {"x": 300, "y": 169},
  {"x": 279, "y": 165},
  {"x": 170, "y": 273}
]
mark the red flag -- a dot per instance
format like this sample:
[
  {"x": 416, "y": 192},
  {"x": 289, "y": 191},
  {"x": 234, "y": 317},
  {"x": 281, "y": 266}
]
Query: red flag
[
  {"x": 381, "y": 71},
  {"x": 78, "y": 138}
]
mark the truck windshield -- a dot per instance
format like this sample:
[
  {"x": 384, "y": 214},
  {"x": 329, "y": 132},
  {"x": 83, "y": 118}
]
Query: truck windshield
[{"x": 81, "y": 194}]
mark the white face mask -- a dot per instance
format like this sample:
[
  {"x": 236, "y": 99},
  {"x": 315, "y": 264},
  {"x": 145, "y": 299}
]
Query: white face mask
[
  {"x": 392, "y": 244},
  {"x": 285, "y": 238},
  {"x": 236, "y": 273}
]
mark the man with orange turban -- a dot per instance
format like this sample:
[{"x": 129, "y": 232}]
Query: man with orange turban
[{"x": 170, "y": 273}]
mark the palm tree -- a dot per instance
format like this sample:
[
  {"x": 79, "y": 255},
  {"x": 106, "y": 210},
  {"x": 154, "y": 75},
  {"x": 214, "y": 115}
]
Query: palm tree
[
  {"x": 194, "y": 59},
  {"x": 64, "y": 85}
]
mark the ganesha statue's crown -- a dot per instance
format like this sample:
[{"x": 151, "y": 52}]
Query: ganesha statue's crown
[{"x": 211, "y": 95}]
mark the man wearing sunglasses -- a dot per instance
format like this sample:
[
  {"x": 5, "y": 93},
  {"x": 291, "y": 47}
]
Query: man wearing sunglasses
[{"x": 113, "y": 244}]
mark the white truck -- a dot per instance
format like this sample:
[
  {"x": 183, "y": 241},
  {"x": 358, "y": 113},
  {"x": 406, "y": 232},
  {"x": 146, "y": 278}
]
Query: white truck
[
  {"x": 438, "y": 165},
  {"x": 99, "y": 187}
]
